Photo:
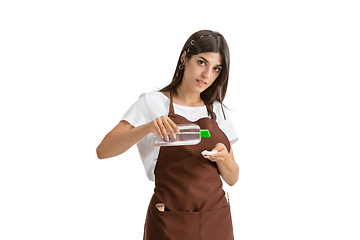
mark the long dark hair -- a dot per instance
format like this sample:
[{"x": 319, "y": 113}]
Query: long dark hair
[{"x": 199, "y": 42}]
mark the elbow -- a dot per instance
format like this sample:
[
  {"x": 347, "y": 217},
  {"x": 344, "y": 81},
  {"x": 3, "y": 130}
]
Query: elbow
[
  {"x": 234, "y": 179},
  {"x": 105, "y": 153},
  {"x": 100, "y": 157},
  {"x": 100, "y": 154},
  {"x": 231, "y": 180},
  {"x": 232, "y": 183}
]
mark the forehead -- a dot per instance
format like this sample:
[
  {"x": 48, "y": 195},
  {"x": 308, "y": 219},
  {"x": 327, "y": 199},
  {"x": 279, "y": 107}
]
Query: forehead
[{"x": 211, "y": 57}]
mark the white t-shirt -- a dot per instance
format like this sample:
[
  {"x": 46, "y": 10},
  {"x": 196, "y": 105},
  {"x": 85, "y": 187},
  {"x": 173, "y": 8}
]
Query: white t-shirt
[{"x": 155, "y": 104}]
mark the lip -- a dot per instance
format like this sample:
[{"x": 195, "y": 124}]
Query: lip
[{"x": 201, "y": 82}]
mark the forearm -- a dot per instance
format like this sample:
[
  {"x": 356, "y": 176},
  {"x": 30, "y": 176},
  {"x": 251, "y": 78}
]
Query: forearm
[
  {"x": 116, "y": 143},
  {"x": 229, "y": 170}
]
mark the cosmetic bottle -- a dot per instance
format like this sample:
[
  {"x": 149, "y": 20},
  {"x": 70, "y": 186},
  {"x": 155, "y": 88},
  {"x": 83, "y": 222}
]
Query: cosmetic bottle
[{"x": 190, "y": 134}]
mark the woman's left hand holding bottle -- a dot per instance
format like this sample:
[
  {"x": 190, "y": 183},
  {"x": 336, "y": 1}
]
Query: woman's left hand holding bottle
[{"x": 163, "y": 125}]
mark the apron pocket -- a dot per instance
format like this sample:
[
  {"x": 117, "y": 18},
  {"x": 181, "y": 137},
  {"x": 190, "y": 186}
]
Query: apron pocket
[
  {"x": 178, "y": 225},
  {"x": 174, "y": 225},
  {"x": 217, "y": 224},
  {"x": 169, "y": 225}
]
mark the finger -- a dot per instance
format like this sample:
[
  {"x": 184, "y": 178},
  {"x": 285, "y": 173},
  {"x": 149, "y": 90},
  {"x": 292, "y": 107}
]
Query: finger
[
  {"x": 157, "y": 129},
  {"x": 154, "y": 127},
  {"x": 168, "y": 127},
  {"x": 219, "y": 147},
  {"x": 210, "y": 157},
  {"x": 173, "y": 125},
  {"x": 162, "y": 129}
]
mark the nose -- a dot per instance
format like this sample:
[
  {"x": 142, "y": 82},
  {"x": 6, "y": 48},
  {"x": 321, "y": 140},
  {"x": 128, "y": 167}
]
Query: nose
[{"x": 206, "y": 73}]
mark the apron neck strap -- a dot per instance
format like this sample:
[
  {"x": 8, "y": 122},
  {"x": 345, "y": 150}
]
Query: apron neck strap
[
  {"x": 171, "y": 108},
  {"x": 208, "y": 107}
]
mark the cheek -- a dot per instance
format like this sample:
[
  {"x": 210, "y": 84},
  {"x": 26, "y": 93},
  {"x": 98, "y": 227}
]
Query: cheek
[
  {"x": 186, "y": 72},
  {"x": 190, "y": 71},
  {"x": 190, "y": 68},
  {"x": 214, "y": 77}
]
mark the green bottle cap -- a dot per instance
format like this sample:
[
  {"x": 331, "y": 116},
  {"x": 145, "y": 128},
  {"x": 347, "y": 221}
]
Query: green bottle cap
[{"x": 204, "y": 133}]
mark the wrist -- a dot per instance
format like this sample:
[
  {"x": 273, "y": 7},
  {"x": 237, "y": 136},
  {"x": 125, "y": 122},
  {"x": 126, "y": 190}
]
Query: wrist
[
  {"x": 226, "y": 160},
  {"x": 147, "y": 128}
]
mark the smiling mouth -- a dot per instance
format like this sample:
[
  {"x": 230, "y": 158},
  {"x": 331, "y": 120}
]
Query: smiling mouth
[{"x": 201, "y": 82}]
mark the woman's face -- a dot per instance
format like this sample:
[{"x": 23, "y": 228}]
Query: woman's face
[{"x": 201, "y": 70}]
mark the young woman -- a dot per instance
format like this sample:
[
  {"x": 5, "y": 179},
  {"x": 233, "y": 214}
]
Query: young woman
[{"x": 187, "y": 183}]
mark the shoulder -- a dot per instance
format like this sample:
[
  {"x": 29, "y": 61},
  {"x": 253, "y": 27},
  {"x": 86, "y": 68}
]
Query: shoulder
[
  {"x": 219, "y": 110},
  {"x": 154, "y": 103},
  {"x": 149, "y": 106},
  {"x": 225, "y": 123},
  {"x": 149, "y": 98},
  {"x": 154, "y": 95},
  {"x": 222, "y": 113},
  {"x": 216, "y": 104},
  {"x": 166, "y": 94}
]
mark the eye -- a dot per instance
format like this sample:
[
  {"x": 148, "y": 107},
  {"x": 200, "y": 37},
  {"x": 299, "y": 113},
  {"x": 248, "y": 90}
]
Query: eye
[
  {"x": 217, "y": 69},
  {"x": 202, "y": 63}
]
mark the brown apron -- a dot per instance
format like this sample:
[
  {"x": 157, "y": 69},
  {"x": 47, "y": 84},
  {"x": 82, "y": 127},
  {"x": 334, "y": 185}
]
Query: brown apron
[{"x": 190, "y": 187}]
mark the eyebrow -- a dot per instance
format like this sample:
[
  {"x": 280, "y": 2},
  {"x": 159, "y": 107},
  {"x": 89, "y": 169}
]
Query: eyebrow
[{"x": 205, "y": 60}]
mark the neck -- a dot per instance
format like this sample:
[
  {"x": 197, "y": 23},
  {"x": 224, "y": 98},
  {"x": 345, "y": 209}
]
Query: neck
[{"x": 187, "y": 98}]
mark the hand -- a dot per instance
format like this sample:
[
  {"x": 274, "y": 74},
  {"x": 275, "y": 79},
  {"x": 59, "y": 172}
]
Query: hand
[
  {"x": 163, "y": 125},
  {"x": 220, "y": 156}
]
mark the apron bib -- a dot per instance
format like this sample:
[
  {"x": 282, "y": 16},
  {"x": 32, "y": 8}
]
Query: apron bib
[{"x": 190, "y": 187}]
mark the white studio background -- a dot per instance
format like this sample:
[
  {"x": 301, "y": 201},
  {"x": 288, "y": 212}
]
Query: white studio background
[{"x": 70, "y": 69}]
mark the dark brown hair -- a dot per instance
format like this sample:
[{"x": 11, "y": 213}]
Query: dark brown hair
[{"x": 200, "y": 42}]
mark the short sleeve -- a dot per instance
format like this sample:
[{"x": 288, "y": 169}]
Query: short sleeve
[
  {"x": 225, "y": 124},
  {"x": 138, "y": 113}
]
